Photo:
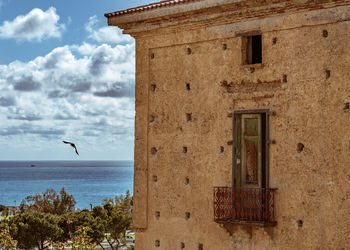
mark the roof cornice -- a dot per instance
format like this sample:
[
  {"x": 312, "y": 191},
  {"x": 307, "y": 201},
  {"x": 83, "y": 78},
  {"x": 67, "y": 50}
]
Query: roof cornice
[
  {"x": 199, "y": 13},
  {"x": 161, "y": 4}
]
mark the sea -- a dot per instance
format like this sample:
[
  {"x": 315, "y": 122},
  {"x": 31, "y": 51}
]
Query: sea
[{"x": 88, "y": 181}]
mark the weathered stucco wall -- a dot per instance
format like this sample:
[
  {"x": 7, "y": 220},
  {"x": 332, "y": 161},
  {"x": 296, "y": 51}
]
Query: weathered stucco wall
[{"x": 304, "y": 78}]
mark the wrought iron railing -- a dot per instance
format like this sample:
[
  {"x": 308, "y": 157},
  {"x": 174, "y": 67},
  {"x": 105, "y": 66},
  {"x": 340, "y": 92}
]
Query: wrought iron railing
[{"x": 244, "y": 205}]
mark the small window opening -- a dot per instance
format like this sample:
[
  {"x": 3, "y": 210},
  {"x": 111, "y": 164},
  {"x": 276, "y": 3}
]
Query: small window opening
[
  {"x": 157, "y": 214},
  {"x": 157, "y": 243},
  {"x": 184, "y": 150},
  {"x": 224, "y": 46},
  {"x": 187, "y": 181},
  {"x": 300, "y": 147},
  {"x": 189, "y": 51},
  {"x": 153, "y": 87},
  {"x": 182, "y": 245},
  {"x": 189, "y": 117},
  {"x": 324, "y": 33},
  {"x": 252, "y": 49},
  {"x": 155, "y": 178},
  {"x": 188, "y": 86},
  {"x": 300, "y": 223},
  {"x": 222, "y": 149},
  {"x": 188, "y": 215},
  {"x": 152, "y": 118},
  {"x": 154, "y": 151},
  {"x": 274, "y": 40},
  {"x": 328, "y": 73},
  {"x": 200, "y": 246}
]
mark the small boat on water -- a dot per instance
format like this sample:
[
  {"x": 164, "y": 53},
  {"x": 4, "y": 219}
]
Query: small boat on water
[{"x": 32, "y": 165}]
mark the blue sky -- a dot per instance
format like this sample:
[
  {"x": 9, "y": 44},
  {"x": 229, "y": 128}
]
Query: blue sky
[{"x": 65, "y": 75}]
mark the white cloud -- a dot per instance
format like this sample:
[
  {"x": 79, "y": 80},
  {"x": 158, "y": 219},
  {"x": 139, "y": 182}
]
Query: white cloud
[
  {"x": 106, "y": 34},
  {"x": 36, "y": 25},
  {"x": 84, "y": 49},
  {"x": 82, "y": 93}
]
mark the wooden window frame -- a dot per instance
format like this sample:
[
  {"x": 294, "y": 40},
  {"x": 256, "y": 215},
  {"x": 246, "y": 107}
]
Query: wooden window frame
[
  {"x": 265, "y": 114},
  {"x": 246, "y": 47}
]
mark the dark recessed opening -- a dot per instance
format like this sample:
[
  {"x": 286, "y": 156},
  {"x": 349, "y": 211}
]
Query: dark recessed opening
[
  {"x": 182, "y": 245},
  {"x": 222, "y": 149},
  {"x": 188, "y": 86},
  {"x": 300, "y": 223},
  {"x": 157, "y": 214},
  {"x": 184, "y": 150},
  {"x": 285, "y": 78},
  {"x": 347, "y": 106},
  {"x": 189, "y": 117},
  {"x": 224, "y": 46},
  {"x": 300, "y": 147},
  {"x": 189, "y": 51},
  {"x": 187, "y": 181},
  {"x": 152, "y": 118},
  {"x": 200, "y": 246},
  {"x": 157, "y": 243},
  {"x": 153, "y": 87},
  {"x": 253, "y": 49},
  {"x": 154, "y": 151},
  {"x": 328, "y": 73},
  {"x": 274, "y": 40},
  {"x": 155, "y": 178},
  {"x": 256, "y": 49},
  {"x": 152, "y": 56},
  {"x": 325, "y": 33},
  {"x": 187, "y": 215}
]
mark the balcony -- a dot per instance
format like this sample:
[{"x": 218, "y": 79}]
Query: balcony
[{"x": 252, "y": 206}]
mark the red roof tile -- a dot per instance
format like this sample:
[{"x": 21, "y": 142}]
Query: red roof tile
[{"x": 160, "y": 4}]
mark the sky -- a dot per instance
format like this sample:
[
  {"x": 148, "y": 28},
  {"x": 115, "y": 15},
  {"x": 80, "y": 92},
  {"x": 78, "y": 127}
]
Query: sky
[{"x": 65, "y": 75}]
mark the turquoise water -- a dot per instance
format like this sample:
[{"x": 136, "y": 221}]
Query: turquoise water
[{"x": 88, "y": 181}]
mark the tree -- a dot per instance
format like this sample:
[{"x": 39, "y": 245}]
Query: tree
[
  {"x": 89, "y": 219},
  {"x": 119, "y": 220},
  {"x": 4, "y": 210},
  {"x": 35, "y": 229},
  {"x": 49, "y": 202},
  {"x": 124, "y": 203},
  {"x": 117, "y": 224},
  {"x": 121, "y": 203},
  {"x": 6, "y": 241},
  {"x": 80, "y": 240}
]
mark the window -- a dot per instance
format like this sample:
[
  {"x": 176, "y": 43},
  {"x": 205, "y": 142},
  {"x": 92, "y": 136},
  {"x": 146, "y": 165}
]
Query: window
[
  {"x": 252, "y": 49},
  {"x": 250, "y": 164}
]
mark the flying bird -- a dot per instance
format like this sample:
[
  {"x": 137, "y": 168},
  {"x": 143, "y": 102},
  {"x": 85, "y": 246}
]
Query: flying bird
[{"x": 73, "y": 146}]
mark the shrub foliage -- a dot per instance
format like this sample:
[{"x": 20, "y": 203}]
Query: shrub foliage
[{"x": 50, "y": 220}]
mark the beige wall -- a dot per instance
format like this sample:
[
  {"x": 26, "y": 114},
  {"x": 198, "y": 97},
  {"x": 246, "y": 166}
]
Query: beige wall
[{"x": 313, "y": 186}]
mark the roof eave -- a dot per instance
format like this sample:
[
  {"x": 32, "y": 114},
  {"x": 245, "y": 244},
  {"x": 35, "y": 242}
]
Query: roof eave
[{"x": 132, "y": 22}]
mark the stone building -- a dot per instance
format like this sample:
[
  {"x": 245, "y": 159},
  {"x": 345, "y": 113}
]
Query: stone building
[{"x": 242, "y": 134}]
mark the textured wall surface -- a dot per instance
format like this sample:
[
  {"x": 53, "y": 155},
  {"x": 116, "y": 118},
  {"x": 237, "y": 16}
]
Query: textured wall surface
[{"x": 304, "y": 77}]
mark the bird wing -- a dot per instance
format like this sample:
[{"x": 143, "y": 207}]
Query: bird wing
[
  {"x": 76, "y": 150},
  {"x": 73, "y": 145}
]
